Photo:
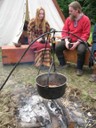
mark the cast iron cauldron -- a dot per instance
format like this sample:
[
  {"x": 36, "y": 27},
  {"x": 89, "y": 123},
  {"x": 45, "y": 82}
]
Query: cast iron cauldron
[{"x": 51, "y": 86}]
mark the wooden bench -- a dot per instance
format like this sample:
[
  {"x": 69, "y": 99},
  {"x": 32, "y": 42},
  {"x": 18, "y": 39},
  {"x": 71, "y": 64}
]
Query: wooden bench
[
  {"x": 12, "y": 54},
  {"x": 71, "y": 56}
]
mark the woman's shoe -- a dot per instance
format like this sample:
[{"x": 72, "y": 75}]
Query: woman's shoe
[{"x": 17, "y": 44}]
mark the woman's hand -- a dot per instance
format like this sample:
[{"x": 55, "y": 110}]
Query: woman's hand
[{"x": 39, "y": 39}]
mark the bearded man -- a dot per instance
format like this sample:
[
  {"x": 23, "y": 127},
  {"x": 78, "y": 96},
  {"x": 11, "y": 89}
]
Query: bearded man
[{"x": 79, "y": 24}]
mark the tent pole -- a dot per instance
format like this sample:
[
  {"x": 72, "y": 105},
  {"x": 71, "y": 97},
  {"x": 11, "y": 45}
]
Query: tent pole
[
  {"x": 27, "y": 11},
  {"x": 59, "y": 10}
]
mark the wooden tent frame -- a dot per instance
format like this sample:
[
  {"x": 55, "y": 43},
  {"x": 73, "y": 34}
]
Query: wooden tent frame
[{"x": 59, "y": 10}]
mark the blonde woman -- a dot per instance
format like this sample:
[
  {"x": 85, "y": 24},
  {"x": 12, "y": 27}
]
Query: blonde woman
[{"x": 36, "y": 27}]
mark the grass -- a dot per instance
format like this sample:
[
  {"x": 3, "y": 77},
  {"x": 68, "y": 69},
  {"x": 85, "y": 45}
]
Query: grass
[{"x": 25, "y": 74}]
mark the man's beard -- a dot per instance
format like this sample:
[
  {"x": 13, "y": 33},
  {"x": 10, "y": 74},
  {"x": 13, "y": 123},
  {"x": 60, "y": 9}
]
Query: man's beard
[{"x": 72, "y": 17}]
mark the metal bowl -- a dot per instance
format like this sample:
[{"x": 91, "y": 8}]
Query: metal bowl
[{"x": 51, "y": 86}]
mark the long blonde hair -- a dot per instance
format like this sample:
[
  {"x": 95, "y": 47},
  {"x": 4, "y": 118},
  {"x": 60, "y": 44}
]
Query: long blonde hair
[{"x": 37, "y": 20}]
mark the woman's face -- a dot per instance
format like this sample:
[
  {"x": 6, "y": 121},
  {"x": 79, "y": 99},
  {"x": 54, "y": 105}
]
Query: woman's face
[{"x": 41, "y": 14}]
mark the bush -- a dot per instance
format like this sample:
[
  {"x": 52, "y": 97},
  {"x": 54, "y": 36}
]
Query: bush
[{"x": 88, "y": 7}]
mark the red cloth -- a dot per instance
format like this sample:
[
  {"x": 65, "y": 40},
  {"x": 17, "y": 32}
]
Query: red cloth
[
  {"x": 39, "y": 46},
  {"x": 82, "y": 29}
]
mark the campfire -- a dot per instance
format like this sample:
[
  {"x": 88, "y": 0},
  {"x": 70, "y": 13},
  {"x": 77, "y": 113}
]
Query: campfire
[
  {"x": 27, "y": 109},
  {"x": 38, "y": 112}
]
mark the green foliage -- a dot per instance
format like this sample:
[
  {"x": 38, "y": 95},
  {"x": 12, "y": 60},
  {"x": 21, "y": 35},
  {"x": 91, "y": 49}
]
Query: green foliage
[
  {"x": 64, "y": 6},
  {"x": 88, "y": 7}
]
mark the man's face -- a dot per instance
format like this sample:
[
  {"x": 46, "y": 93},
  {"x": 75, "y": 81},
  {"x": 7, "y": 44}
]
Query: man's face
[{"x": 73, "y": 13}]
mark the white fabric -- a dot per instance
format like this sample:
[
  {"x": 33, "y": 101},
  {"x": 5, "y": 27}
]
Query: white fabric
[
  {"x": 52, "y": 15},
  {"x": 12, "y": 17}
]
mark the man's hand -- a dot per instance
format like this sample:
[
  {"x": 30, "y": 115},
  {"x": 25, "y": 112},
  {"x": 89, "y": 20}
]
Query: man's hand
[
  {"x": 67, "y": 43},
  {"x": 74, "y": 45}
]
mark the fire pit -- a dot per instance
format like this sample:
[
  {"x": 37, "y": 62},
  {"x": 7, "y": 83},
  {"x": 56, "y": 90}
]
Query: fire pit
[
  {"x": 51, "y": 86},
  {"x": 37, "y": 112},
  {"x": 28, "y": 109}
]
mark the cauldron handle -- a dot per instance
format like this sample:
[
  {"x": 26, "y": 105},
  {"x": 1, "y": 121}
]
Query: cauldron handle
[{"x": 52, "y": 64}]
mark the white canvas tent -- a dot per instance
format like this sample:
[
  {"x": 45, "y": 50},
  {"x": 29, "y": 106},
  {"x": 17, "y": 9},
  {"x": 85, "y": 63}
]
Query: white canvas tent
[{"x": 13, "y": 14}]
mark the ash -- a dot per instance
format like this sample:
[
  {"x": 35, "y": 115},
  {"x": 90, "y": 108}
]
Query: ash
[
  {"x": 33, "y": 111},
  {"x": 38, "y": 112}
]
